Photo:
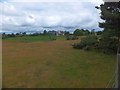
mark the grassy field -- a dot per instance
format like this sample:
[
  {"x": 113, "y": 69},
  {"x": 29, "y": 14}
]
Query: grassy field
[
  {"x": 54, "y": 64},
  {"x": 42, "y": 38}
]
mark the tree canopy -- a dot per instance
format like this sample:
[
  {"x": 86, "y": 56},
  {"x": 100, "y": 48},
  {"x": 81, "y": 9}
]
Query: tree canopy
[
  {"x": 78, "y": 32},
  {"x": 110, "y": 13}
]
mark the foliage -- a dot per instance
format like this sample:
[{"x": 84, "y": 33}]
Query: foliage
[
  {"x": 108, "y": 44},
  {"x": 86, "y": 32},
  {"x": 4, "y": 36},
  {"x": 99, "y": 32},
  {"x": 52, "y": 37},
  {"x": 71, "y": 37},
  {"x": 86, "y": 42},
  {"x": 110, "y": 13},
  {"x": 24, "y": 33},
  {"x": 78, "y": 32},
  {"x": 31, "y": 38},
  {"x": 44, "y": 32},
  {"x": 81, "y": 32},
  {"x": 67, "y": 33},
  {"x": 21, "y": 34}
]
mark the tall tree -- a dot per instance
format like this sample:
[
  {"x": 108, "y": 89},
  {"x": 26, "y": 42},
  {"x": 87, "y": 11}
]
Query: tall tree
[{"x": 110, "y": 13}]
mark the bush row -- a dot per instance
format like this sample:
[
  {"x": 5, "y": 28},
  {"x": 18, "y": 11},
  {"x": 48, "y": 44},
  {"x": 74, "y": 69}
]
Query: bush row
[{"x": 106, "y": 45}]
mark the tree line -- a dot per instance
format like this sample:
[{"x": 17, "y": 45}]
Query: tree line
[
  {"x": 21, "y": 34},
  {"x": 77, "y": 32}
]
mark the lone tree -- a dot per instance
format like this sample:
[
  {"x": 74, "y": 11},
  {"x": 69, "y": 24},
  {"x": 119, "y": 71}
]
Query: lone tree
[
  {"x": 44, "y": 32},
  {"x": 78, "y": 32},
  {"x": 110, "y": 13}
]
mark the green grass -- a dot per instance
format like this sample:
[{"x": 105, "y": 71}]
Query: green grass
[
  {"x": 54, "y": 65},
  {"x": 34, "y": 38},
  {"x": 87, "y": 67}
]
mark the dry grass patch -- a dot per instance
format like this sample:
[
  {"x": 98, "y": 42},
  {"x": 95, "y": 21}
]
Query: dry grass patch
[{"x": 54, "y": 64}]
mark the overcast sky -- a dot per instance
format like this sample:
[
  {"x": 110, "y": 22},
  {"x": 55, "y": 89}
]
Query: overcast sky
[{"x": 37, "y": 15}]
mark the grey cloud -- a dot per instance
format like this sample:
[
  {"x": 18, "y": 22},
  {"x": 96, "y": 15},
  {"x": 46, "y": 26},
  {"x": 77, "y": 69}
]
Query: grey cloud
[{"x": 37, "y": 16}]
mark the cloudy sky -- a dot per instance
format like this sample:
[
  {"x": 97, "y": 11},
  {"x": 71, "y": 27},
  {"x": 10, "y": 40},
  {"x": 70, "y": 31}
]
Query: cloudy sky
[{"x": 37, "y": 15}]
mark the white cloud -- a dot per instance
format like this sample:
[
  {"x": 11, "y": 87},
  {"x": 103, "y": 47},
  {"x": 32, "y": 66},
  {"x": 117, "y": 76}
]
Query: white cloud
[
  {"x": 96, "y": 1},
  {"x": 9, "y": 20},
  {"x": 7, "y": 8},
  {"x": 111, "y": 0},
  {"x": 40, "y": 13},
  {"x": 30, "y": 18}
]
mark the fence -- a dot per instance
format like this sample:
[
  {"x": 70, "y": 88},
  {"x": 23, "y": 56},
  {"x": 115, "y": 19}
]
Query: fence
[
  {"x": 117, "y": 83},
  {"x": 115, "y": 80}
]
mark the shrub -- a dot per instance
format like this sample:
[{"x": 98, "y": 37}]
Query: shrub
[
  {"x": 78, "y": 45},
  {"x": 53, "y": 39},
  {"x": 71, "y": 37},
  {"x": 87, "y": 48},
  {"x": 108, "y": 45},
  {"x": 86, "y": 42}
]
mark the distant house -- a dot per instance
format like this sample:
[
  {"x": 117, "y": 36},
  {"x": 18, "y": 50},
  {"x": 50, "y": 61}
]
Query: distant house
[
  {"x": 52, "y": 32},
  {"x": 61, "y": 33},
  {"x": 57, "y": 33}
]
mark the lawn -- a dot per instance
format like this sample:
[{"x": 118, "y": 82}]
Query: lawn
[{"x": 54, "y": 64}]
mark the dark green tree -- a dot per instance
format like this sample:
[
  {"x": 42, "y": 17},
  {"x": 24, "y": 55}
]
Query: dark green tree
[
  {"x": 67, "y": 33},
  {"x": 24, "y": 33},
  {"x": 86, "y": 32},
  {"x": 44, "y": 32},
  {"x": 17, "y": 34},
  {"x": 110, "y": 13},
  {"x": 78, "y": 32},
  {"x": 99, "y": 32}
]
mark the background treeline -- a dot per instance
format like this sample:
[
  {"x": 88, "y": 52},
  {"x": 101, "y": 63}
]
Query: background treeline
[
  {"x": 69, "y": 36},
  {"x": 21, "y": 34},
  {"x": 78, "y": 33}
]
